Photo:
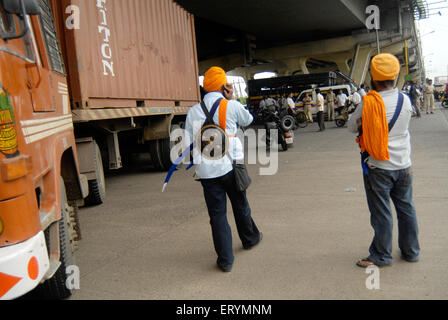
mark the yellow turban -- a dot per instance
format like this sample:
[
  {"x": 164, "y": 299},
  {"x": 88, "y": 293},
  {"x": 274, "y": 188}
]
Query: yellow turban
[
  {"x": 214, "y": 79},
  {"x": 384, "y": 66}
]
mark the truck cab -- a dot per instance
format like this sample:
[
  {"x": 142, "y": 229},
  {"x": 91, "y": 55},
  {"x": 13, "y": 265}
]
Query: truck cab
[{"x": 40, "y": 183}]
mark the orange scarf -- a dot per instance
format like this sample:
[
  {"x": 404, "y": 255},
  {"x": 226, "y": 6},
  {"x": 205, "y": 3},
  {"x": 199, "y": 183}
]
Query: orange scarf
[{"x": 375, "y": 129}]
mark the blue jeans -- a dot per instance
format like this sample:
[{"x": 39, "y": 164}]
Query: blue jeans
[
  {"x": 381, "y": 186},
  {"x": 215, "y": 191}
]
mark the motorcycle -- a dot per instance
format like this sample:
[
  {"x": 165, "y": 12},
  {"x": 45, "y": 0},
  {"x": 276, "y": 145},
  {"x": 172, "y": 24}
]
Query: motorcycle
[
  {"x": 285, "y": 127},
  {"x": 344, "y": 112},
  {"x": 445, "y": 100}
]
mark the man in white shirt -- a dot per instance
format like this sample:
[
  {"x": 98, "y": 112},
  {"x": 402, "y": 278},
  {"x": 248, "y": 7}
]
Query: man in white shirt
[
  {"x": 341, "y": 98},
  {"x": 217, "y": 176},
  {"x": 320, "y": 110},
  {"x": 389, "y": 177},
  {"x": 291, "y": 104}
]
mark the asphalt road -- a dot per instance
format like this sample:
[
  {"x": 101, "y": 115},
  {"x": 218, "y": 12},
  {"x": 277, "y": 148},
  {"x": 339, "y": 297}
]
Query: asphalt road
[{"x": 142, "y": 244}]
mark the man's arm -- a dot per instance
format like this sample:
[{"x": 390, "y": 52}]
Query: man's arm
[
  {"x": 244, "y": 118},
  {"x": 355, "y": 120}
]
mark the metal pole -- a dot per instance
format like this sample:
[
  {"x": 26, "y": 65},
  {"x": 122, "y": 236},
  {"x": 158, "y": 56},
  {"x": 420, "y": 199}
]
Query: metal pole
[{"x": 378, "y": 41}]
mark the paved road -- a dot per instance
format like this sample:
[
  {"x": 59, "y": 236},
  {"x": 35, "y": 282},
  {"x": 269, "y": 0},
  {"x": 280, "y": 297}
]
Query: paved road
[{"x": 143, "y": 244}]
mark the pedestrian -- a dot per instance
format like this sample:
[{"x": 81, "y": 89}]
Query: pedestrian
[
  {"x": 331, "y": 98},
  {"x": 217, "y": 176},
  {"x": 307, "y": 100},
  {"x": 291, "y": 104},
  {"x": 415, "y": 98},
  {"x": 428, "y": 92},
  {"x": 320, "y": 110},
  {"x": 363, "y": 91},
  {"x": 341, "y": 99},
  {"x": 271, "y": 104},
  {"x": 387, "y": 167},
  {"x": 356, "y": 99},
  {"x": 262, "y": 104}
]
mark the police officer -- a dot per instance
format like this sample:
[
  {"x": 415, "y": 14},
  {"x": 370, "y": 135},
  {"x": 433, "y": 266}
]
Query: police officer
[{"x": 428, "y": 91}]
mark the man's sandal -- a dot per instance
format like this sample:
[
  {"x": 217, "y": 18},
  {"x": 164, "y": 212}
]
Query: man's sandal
[{"x": 365, "y": 263}]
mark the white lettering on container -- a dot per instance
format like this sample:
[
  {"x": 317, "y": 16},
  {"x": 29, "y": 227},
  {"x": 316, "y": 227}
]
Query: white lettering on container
[{"x": 103, "y": 29}]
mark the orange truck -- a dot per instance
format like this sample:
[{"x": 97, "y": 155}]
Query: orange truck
[{"x": 82, "y": 83}]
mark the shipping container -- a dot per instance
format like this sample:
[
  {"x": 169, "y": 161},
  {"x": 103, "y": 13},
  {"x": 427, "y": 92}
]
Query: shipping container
[{"x": 128, "y": 54}]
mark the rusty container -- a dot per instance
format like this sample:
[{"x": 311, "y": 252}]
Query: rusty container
[{"x": 128, "y": 53}]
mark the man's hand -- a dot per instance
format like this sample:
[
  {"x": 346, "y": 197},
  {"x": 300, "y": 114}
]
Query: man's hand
[{"x": 228, "y": 91}]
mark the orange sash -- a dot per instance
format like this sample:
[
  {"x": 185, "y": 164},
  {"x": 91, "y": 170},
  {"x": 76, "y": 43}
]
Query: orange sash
[
  {"x": 375, "y": 129},
  {"x": 223, "y": 113}
]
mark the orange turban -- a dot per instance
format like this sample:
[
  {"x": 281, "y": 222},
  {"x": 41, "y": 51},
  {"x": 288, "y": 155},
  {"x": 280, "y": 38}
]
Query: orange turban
[
  {"x": 214, "y": 79},
  {"x": 384, "y": 66}
]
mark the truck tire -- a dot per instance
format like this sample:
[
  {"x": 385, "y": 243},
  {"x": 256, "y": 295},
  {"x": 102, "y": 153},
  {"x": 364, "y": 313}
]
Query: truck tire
[
  {"x": 97, "y": 186},
  {"x": 160, "y": 151},
  {"x": 56, "y": 288}
]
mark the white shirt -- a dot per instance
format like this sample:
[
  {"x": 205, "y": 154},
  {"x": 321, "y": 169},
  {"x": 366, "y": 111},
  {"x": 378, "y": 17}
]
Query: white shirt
[
  {"x": 399, "y": 137},
  {"x": 320, "y": 102},
  {"x": 342, "y": 99},
  {"x": 237, "y": 115},
  {"x": 291, "y": 103},
  {"x": 356, "y": 98}
]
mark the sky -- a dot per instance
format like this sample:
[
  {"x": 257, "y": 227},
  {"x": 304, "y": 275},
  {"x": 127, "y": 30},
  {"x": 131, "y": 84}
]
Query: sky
[{"x": 434, "y": 37}]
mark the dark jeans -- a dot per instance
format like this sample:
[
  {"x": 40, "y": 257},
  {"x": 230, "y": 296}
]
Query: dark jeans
[
  {"x": 381, "y": 186},
  {"x": 215, "y": 191},
  {"x": 320, "y": 120}
]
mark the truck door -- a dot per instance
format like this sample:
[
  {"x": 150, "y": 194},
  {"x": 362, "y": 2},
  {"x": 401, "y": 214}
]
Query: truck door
[{"x": 47, "y": 75}]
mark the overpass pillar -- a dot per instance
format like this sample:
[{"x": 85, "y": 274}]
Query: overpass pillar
[
  {"x": 342, "y": 65},
  {"x": 401, "y": 77},
  {"x": 361, "y": 64}
]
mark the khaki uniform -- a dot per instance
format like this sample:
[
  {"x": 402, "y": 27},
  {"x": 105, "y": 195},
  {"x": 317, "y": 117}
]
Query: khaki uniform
[
  {"x": 331, "y": 97},
  {"x": 307, "y": 108},
  {"x": 428, "y": 92}
]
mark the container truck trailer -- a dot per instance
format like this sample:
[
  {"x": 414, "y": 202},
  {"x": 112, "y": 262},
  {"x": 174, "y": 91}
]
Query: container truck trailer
[{"x": 82, "y": 82}]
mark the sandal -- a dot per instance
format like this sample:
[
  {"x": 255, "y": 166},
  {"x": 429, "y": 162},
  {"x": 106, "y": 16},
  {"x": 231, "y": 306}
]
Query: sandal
[{"x": 365, "y": 263}]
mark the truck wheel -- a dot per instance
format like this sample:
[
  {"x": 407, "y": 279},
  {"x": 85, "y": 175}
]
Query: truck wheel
[
  {"x": 160, "y": 151},
  {"x": 56, "y": 288},
  {"x": 97, "y": 186}
]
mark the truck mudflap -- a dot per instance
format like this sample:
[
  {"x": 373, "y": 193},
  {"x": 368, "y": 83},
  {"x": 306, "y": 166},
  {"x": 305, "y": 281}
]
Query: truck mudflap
[{"x": 23, "y": 266}]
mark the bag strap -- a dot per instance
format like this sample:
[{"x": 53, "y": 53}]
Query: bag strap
[
  {"x": 210, "y": 114},
  {"x": 397, "y": 111}
]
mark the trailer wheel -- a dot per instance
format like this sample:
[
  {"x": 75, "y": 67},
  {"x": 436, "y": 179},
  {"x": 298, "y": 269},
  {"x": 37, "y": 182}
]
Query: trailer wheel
[
  {"x": 160, "y": 151},
  {"x": 97, "y": 186},
  {"x": 56, "y": 288}
]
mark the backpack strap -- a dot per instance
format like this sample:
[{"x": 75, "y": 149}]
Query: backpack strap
[
  {"x": 397, "y": 111},
  {"x": 212, "y": 112}
]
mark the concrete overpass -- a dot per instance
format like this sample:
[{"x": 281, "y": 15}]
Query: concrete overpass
[{"x": 299, "y": 36}]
